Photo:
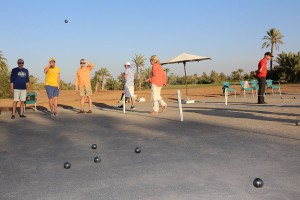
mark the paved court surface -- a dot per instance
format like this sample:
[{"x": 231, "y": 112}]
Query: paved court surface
[{"x": 215, "y": 153}]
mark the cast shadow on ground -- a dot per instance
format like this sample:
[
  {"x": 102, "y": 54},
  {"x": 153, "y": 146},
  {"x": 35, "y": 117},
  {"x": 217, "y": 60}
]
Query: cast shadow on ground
[
  {"x": 67, "y": 107},
  {"x": 239, "y": 113}
]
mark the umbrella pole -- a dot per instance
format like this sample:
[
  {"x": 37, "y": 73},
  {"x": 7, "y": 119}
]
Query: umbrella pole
[{"x": 185, "y": 79}]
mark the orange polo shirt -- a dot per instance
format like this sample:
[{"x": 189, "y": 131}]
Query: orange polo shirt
[
  {"x": 83, "y": 76},
  {"x": 158, "y": 76}
]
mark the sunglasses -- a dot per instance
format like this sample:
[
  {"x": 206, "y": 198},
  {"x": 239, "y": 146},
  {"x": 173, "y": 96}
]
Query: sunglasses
[
  {"x": 82, "y": 63},
  {"x": 21, "y": 63}
]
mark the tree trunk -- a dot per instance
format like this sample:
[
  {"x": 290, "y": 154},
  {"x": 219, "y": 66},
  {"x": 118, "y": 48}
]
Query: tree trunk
[
  {"x": 271, "y": 60},
  {"x": 102, "y": 85},
  {"x": 96, "y": 85}
]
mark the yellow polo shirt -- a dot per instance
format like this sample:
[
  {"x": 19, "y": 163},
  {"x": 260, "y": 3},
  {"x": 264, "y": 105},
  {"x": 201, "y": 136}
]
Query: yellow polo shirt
[{"x": 52, "y": 76}]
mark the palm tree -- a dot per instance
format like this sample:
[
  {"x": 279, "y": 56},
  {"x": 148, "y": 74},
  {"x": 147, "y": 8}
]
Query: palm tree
[
  {"x": 139, "y": 61},
  {"x": 289, "y": 64},
  {"x": 3, "y": 62},
  {"x": 167, "y": 70},
  {"x": 273, "y": 38},
  {"x": 100, "y": 77}
]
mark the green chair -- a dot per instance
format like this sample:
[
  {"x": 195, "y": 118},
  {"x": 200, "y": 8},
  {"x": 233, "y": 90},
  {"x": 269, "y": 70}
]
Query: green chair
[
  {"x": 254, "y": 85},
  {"x": 31, "y": 98},
  {"x": 270, "y": 85},
  {"x": 226, "y": 85},
  {"x": 245, "y": 87}
]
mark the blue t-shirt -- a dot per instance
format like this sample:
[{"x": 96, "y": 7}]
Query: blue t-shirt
[
  {"x": 129, "y": 81},
  {"x": 19, "y": 77}
]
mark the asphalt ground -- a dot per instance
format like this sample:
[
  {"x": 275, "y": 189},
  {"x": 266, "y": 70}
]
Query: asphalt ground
[{"x": 215, "y": 153}]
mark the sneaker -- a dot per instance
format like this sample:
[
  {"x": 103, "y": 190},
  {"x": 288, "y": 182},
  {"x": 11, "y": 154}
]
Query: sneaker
[
  {"x": 132, "y": 107},
  {"x": 12, "y": 117},
  {"x": 120, "y": 107},
  {"x": 90, "y": 111},
  {"x": 22, "y": 116}
]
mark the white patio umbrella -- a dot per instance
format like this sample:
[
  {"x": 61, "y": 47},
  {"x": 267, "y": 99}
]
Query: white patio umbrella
[{"x": 184, "y": 58}]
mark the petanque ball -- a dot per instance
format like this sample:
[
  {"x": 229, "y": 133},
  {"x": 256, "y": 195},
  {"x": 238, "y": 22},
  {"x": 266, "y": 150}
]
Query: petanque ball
[
  {"x": 94, "y": 146},
  {"x": 137, "y": 150},
  {"x": 67, "y": 165},
  {"x": 97, "y": 159},
  {"x": 258, "y": 183},
  {"x": 297, "y": 123},
  {"x": 66, "y": 21}
]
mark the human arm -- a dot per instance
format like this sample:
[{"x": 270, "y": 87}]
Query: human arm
[
  {"x": 28, "y": 82},
  {"x": 76, "y": 81},
  {"x": 90, "y": 65},
  {"x": 58, "y": 81},
  {"x": 12, "y": 78},
  {"x": 46, "y": 69}
]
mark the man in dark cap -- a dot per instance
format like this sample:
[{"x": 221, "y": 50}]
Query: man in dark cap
[{"x": 261, "y": 77}]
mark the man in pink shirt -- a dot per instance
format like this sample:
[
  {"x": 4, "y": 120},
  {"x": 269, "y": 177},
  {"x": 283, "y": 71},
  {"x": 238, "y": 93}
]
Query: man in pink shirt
[
  {"x": 261, "y": 77},
  {"x": 83, "y": 84}
]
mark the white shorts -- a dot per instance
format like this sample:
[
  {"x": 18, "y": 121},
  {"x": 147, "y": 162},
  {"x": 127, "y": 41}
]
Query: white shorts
[
  {"x": 129, "y": 91},
  {"x": 20, "y": 95}
]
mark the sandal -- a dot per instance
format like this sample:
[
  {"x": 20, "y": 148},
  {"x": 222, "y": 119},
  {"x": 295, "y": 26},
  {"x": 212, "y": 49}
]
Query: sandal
[
  {"x": 81, "y": 111},
  {"x": 90, "y": 111},
  {"x": 164, "y": 108}
]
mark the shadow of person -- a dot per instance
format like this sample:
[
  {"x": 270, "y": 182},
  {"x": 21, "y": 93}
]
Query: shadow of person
[
  {"x": 67, "y": 107},
  {"x": 42, "y": 109},
  {"x": 103, "y": 105}
]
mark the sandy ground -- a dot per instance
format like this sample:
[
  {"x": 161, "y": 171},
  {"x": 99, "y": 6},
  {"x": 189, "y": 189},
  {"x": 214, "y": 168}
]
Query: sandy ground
[
  {"x": 214, "y": 153},
  {"x": 111, "y": 98}
]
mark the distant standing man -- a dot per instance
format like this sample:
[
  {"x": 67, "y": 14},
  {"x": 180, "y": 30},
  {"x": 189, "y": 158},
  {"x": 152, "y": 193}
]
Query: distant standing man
[
  {"x": 261, "y": 77},
  {"x": 52, "y": 83},
  {"x": 19, "y": 85},
  {"x": 83, "y": 83},
  {"x": 129, "y": 84}
]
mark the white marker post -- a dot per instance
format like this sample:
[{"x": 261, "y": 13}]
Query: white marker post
[
  {"x": 179, "y": 105},
  {"x": 124, "y": 104},
  {"x": 226, "y": 96}
]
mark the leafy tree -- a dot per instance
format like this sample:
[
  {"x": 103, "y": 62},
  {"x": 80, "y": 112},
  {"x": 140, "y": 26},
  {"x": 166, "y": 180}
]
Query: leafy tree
[
  {"x": 273, "y": 38},
  {"x": 112, "y": 84},
  {"x": 66, "y": 86},
  {"x": 237, "y": 75},
  {"x": 100, "y": 78},
  {"x": 214, "y": 77},
  {"x": 167, "y": 70},
  {"x": 139, "y": 62},
  {"x": 4, "y": 78},
  {"x": 289, "y": 66},
  {"x": 3, "y": 62},
  {"x": 222, "y": 77},
  {"x": 204, "y": 79}
]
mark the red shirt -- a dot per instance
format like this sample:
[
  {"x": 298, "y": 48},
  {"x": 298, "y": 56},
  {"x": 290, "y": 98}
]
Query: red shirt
[
  {"x": 158, "y": 76},
  {"x": 262, "y": 64}
]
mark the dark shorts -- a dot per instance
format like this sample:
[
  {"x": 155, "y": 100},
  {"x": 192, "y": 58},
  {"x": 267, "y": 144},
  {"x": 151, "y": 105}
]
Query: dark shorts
[{"x": 52, "y": 91}]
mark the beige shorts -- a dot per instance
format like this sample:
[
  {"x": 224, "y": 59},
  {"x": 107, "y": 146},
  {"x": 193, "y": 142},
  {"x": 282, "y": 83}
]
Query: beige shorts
[
  {"x": 129, "y": 91},
  {"x": 85, "y": 91},
  {"x": 20, "y": 95}
]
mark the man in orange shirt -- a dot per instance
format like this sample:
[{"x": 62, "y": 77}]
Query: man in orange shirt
[
  {"x": 261, "y": 77},
  {"x": 83, "y": 83}
]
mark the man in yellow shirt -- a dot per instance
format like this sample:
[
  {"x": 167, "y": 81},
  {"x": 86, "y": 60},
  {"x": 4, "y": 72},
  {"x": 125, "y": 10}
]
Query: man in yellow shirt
[
  {"x": 83, "y": 83},
  {"x": 52, "y": 83}
]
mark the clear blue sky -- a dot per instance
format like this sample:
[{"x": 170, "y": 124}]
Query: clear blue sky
[{"x": 109, "y": 33}]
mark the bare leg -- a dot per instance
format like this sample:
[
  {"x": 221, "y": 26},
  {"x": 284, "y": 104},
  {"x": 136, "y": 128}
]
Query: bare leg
[
  {"x": 90, "y": 102},
  {"x": 21, "y": 107},
  {"x": 55, "y": 104},
  {"x": 51, "y": 105},
  {"x": 82, "y": 103},
  {"x": 14, "y": 107}
]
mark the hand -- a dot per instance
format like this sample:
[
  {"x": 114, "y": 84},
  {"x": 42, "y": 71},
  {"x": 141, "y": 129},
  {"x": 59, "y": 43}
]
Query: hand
[{"x": 147, "y": 80}]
